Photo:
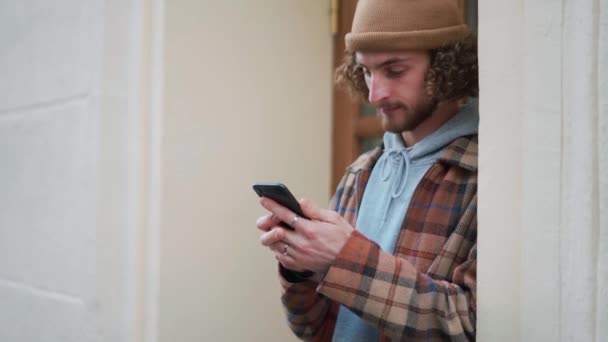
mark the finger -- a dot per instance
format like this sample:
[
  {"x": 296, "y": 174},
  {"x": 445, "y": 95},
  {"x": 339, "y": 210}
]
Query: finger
[
  {"x": 281, "y": 235},
  {"x": 273, "y": 236},
  {"x": 286, "y": 248},
  {"x": 314, "y": 212},
  {"x": 279, "y": 211},
  {"x": 287, "y": 256},
  {"x": 283, "y": 248},
  {"x": 266, "y": 222},
  {"x": 288, "y": 262}
]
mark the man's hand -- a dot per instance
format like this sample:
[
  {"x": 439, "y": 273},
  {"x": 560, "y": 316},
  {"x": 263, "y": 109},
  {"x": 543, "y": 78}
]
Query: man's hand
[{"x": 312, "y": 245}]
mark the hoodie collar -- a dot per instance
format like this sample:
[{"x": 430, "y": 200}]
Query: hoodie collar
[{"x": 462, "y": 152}]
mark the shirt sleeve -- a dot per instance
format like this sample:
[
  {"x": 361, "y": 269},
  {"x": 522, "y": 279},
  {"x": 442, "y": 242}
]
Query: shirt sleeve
[
  {"x": 310, "y": 315},
  {"x": 389, "y": 293}
]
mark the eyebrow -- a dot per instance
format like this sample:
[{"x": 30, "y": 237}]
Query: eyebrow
[{"x": 387, "y": 62}]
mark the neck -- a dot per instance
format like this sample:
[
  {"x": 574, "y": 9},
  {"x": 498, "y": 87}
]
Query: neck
[{"x": 444, "y": 112}]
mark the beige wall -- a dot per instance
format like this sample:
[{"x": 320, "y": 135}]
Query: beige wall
[{"x": 247, "y": 99}]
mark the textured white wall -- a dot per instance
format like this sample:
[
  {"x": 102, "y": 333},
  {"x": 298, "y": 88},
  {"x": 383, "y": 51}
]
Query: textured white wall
[
  {"x": 542, "y": 141},
  {"x": 543, "y": 228},
  {"x": 248, "y": 91},
  {"x": 49, "y": 142},
  {"x": 500, "y": 176},
  {"x": 583, "y": 210},
  {"x": 70, "y": 206}
]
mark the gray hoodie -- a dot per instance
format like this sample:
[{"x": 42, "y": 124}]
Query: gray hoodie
[{"x": 389, "y": 191}]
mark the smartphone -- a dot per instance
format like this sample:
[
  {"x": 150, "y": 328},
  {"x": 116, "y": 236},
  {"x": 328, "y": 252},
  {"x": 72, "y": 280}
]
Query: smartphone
[{"x": 279, "y": 193}]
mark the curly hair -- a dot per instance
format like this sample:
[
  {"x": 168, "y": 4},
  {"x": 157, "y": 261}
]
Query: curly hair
[{"x": 453, "y": 72}]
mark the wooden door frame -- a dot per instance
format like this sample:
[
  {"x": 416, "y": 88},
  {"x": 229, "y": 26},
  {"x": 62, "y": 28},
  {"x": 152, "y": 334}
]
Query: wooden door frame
[{"x": 344, "y": 107}]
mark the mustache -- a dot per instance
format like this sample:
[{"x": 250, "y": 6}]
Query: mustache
[{"x": 390, "y": 105}]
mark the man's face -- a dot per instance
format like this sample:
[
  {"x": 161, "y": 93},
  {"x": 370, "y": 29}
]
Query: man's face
[{"x": 396, "y": 83}]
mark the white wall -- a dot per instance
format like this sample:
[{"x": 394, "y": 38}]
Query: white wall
[
  {"x": 543, "y": 234},
  {"x": 70, "y": 207},
  {"x": 248, "y": 86},
  {"x": 500, "y": 176}
]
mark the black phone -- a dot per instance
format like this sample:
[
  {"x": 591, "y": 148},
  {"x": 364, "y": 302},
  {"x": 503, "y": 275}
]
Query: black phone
[{"x": 279, "y": 193}]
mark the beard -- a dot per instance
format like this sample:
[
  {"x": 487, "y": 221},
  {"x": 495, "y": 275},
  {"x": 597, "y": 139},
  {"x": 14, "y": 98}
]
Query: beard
[{"x": 406, "y": 118}]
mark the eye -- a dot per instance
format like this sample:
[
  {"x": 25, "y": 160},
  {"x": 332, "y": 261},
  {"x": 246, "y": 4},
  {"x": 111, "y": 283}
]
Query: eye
[{"x": 395, "y": 72}]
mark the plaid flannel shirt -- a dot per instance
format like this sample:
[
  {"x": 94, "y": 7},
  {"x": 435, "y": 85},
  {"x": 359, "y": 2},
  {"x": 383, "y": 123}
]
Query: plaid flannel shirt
[{"x": 424, "y": 292}]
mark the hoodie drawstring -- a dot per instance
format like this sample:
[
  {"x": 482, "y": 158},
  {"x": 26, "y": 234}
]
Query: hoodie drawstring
[
  {"x": 402, "y": 161},
  {"x": 399, "y": 182}
]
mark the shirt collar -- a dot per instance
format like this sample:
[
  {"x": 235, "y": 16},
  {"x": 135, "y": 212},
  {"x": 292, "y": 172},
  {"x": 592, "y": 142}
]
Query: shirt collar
[{"x": 462, "y": 152}]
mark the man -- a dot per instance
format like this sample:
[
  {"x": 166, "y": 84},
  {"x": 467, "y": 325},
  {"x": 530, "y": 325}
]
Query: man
[{"x": 408, "y": 269}]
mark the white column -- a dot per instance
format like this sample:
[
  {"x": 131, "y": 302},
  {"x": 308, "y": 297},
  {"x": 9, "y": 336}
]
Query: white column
[
  {"x": 77, "y": 170},
  {"x": 553, "y": 284},
  {"x": 541, "y": 117},
  {"x": 580, "y": 173},
  {"x": 500, "y": 175},
  {"x": 601, "y": 319}
]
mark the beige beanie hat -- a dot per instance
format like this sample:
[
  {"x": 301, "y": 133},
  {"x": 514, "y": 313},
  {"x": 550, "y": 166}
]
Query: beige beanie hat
[{"x": 390, "y": 25}]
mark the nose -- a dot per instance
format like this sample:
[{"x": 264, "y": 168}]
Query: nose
[{"x": 378, "y": 90}]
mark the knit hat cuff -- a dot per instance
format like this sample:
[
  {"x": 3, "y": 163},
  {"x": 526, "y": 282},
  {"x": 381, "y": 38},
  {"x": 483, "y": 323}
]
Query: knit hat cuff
[{"x": 412, "y": 40}]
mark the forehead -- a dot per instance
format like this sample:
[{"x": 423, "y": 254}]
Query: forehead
[{"x": 375, "y": 59}]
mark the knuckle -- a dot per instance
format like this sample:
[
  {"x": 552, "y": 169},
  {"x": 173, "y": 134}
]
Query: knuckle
[
  {"x": 309, "y": 234},
  {"x": 279, "y": 234},
  {"x": 264, "y": 241}
]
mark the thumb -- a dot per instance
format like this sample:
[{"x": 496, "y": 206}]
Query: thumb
[{"x": 314, "y": 212}]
